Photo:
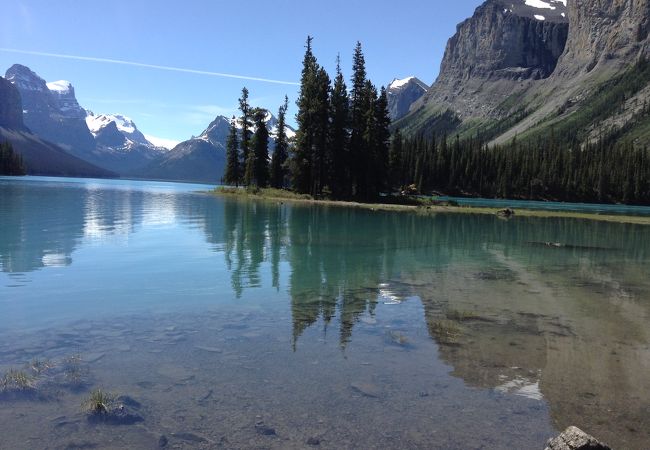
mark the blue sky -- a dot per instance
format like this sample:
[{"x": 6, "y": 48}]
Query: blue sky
[{"x": 262, "y": 39}]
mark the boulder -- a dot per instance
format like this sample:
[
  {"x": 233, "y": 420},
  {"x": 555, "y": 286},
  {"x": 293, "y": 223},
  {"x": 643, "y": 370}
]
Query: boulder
[{"x": 574, "y": 438}]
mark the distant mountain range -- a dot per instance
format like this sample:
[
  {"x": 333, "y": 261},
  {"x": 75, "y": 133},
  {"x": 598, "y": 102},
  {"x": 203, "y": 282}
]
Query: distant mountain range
[
  {"x": 40, "y": 156},
  {"x": 108, "y": 144},
  {"x": 202, "y": 158}
]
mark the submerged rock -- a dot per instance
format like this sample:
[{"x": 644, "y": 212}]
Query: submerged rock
[
  {"x": 366, "y": 389},
  {"x": 189, "y": 437},
  {"x": 574, "y": 438},
  {"x": 263, "y": 429},
  {"x": 116, "y": 415}
]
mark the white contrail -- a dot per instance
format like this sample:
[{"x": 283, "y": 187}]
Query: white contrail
[{"x": 148, "y": 66}]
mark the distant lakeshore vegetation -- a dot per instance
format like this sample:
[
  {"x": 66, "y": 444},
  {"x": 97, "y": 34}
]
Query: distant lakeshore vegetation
[
  {"x": 11, "y": 163},
  {"x": 346, "y": 149}
]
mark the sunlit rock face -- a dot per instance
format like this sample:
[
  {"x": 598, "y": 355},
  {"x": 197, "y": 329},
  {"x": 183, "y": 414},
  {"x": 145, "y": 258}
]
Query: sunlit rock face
[
  {"x": 604, "y": 33},
  {"x": 501, "y": 49},
  {"x": 52, "y": 114}
]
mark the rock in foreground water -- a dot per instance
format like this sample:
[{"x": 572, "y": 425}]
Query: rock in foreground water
[{"x": 574, "y": 438}]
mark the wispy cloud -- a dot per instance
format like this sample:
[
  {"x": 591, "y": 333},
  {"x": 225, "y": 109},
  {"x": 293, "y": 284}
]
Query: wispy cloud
[{"x": 148, "y": 66}]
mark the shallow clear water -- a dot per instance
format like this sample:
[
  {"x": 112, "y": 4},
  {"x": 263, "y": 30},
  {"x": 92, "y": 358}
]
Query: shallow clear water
[{"x": 239, "y": 324}]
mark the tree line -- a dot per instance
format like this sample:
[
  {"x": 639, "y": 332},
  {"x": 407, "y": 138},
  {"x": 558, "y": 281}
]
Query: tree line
[
  {"x": 11, "y": 163},
  {"x": 547, "y": 168},
  {"x": 343, "y": 149},
  {"x": 341, "y": 146}
]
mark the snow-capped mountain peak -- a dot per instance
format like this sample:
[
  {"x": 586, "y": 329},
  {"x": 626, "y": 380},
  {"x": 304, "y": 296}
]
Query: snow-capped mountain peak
[
  {"x": 63, "y": 94},
  {"x": 25, "y": 79},
  {"x": 217, "y": 131},
  {"x": 97, "y": 122},
  {"x": 396, "y": 83},
  {"x": 402, "y": 93},
  {"x": 102, "y": 124}
]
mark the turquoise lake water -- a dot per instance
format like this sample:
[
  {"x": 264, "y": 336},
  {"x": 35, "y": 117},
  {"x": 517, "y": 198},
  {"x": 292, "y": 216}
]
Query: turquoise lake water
[
  {"x": 241, "y": 324},
  {"x": 594, "y": 208}
]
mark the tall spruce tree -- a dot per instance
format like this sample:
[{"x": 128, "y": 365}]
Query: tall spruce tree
[
  {"x": 339, "y": 137},
  {"x": 321, "y": 154},
  {"x": 369, "y": 145},
  {"x": 232, "y": 174},
  {"x": 246, "y": 126},
  {"x": 358, "y": 121},
  {"x": 281, "y": 151},
  {"x": 302, "y": 158},
  {"x": 259, "y": 155}
]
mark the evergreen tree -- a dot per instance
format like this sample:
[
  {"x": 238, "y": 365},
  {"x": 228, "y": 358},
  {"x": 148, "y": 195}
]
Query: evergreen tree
[
  {"x": 381, "y": 142},
  {"x": 369, "y": 144},
  {"x": 246, "y": 125},
  {"x": 358, "y": 121},
  {"x": 232, "y": 175},
  {"x": 259, "y": 156},
  {"x": 339, "y": 137},
  {"x": 302, "y": 158},
  {"x": 321, "y": 153},
  {"x": 280, "y": 154},
  {"x": 549, "y": 168},
  {"x": 11, "y": 163}
]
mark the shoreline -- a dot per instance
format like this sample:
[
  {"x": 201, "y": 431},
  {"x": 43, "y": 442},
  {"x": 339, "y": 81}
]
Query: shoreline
[{"x": 427, "y": 209}]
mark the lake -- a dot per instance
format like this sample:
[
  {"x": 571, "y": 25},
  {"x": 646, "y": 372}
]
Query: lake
[{"x": 229, "y": 323}]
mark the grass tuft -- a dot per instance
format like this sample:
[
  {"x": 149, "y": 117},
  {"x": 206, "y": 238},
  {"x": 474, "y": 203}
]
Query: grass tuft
[
  {"x": 446, "y": 331},
  {"x": 16, "y": 380},
  {"x": 98, "y": 402}
]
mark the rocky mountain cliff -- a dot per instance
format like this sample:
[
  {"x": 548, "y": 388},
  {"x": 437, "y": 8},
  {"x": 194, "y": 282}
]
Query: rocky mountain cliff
[
  {"x": 11, "y": 110},
  {"x": 526, "y": 67},
  {"x": 604, "y": 33},
  {"x": 53, "y": 115},
  {"x": 503, "y": 48},
  {"x": 51, "y": 111},
  {"x": 40, "y": 156}
]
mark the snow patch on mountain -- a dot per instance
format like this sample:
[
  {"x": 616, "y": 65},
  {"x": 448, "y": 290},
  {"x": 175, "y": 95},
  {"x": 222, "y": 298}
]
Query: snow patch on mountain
[
  {"x": 61, "y": 86},
  {"x": 542, "y": 10},
  {"x": 541, "y": 4},
  {"x": 96, "y": 123},
  {"x": 162, "y": 142},
  {"x": 399, "y": 83}
]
